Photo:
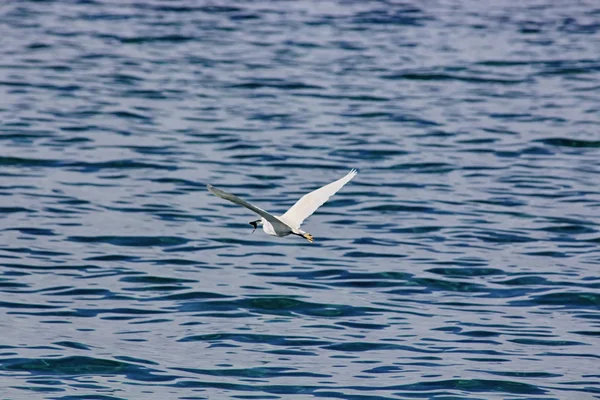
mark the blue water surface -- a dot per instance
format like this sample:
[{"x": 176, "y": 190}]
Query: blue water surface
[{"x": 461, "y": 263}]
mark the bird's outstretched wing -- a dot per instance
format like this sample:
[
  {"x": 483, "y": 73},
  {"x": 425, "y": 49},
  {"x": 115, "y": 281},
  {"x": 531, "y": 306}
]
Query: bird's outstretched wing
[
  {"x": 309, "y": 203},
  {"x": 277, "y": 224}
]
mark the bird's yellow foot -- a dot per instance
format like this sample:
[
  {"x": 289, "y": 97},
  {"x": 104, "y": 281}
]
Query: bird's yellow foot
[{"x": 309, "y": 237}]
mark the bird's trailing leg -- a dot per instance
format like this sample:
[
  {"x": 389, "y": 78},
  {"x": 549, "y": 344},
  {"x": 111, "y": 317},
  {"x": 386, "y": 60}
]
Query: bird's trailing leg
[{"x": 308, "y": 237}]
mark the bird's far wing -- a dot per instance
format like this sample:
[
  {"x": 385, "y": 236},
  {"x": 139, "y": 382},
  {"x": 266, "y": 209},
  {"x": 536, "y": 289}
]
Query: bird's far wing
[
  {"x": 234, "y": 199},
  {"x": 309, "y": 203}
]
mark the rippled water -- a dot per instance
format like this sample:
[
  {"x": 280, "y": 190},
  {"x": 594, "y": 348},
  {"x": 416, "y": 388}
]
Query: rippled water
[{"x": 461, "y": 263}]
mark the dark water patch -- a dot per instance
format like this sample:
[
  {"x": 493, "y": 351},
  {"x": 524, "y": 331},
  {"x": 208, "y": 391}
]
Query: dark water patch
[
  {"x": 226, "y": 315},
  {"x": 291, "y": 353},
  {"x": 479, "y": 334},
  {"x": 496, "y": 237},
  {"x": 169, "y": 39},
  {"x": 526, "y": 281},
  {"x": 588, "y": 316},
  {"x": 174, "y": 216},
  {"x": 594, "y": 240},
  {"x": 259, "y": 372},
  {"x": 272, "y": 340},
  {"x": 152, "y": 321},
  {"x": 360, "y": 98},
  {"x": 7, "y": 284},
  {"x": 135, "y": 312},
  {"x": 504, "y": 202},
  {"x": 122, "y": 313},
  {"x": 130, "y": 115},
  {"x": 368, "y": 154},
  {"x": 135, "y": 360},
  {"x": 405, "y": 15},
  {"x": 355, "y": 283},
  {"x": 81, "y": 366},
  {"x": 417, "y": 229},
  {"x": 79, "y": 165},
  {"x": 574, "y": 143},
  {"x": 275, "y": 84},
  {"x": 367, "y": 326},
  {"x": 105, "y": 293},
  {"x": 554, "y": 254},
  {"x": 487, "y": 359},
  {"x": 116, "y": 165},
  {"x": 440, "y": 76},
  {"x": 384, "y": 369},
  {"x": 157, "y": 288},
  {"x": 35, "y": 252},
  {"x": 73, "y": 345},
  {"x": 359, "y": 347},
  {"x": 375, "y": 242},
  {"x": 90, "y": 397},
  {"x": 61, "y": 314},
  {"x": 146, "y": 94},
  {"x": 342, "y": 395},
  {"x": 188, "y": 296},
  {"x": 466, "y": 272},
  {"x": 568, "y": 229},
  {"x": 177, "y": 261},
  {"x": 146, "y": 208},
  {"x": 387, "y": 116},
  {"x": 566, "y": 354},
  {"x": 175, "y": 8},
  {"x": 361, "y": 254},
  {"x": 340, "y": 274},
  {"x": 562, "y": 299},
  {"x": 59, "y": 267},
  {"x": 261, "y": 254},
  {"x": 426, "y": 168},
  {"x": 166, "y": 150},
  {"x": 297, "y": 165},
  {"x": 155, "y": 280},
  {"x": 298, "y": 285},
  {"x": 113, "y": 257},
  {"x": 182, "y": 182},
  {"x": 326, "y": 133},
  {"x": 474, "y": 386},
  {"x": 397, "y": 208},
  {"x": 588, "y": 333},
  {"x": 15, "y": 305},
  {"x": 447, "y": 285},
  {"x": 28, "y": 162},
  {"x": 28, "y": 137},
  {"x": 131, "y": 241},
  {"x": 539, "y": 342},
  {"x": 189, "y": 249},
  {"x": 283, "y": 306}
]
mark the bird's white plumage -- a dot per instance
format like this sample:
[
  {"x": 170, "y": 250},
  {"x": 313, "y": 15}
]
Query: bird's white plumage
[
  {"x": 309, "y": 203},
  {"x": 289, "y": 223}
]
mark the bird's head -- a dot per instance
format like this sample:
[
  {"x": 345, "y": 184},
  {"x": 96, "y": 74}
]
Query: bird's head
[{"x": 256, "y": 224}]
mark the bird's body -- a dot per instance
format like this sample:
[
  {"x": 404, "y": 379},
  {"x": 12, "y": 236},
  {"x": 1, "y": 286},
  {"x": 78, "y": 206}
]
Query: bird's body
[
  {"x": 270, "y": 229},
  {"x": 290, "y": 222}
]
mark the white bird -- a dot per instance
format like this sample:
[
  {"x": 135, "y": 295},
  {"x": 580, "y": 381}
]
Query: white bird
[{"x": 289, "y": 223}]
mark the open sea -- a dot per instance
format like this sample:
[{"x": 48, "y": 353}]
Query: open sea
[{"x": 463, "y": 262}]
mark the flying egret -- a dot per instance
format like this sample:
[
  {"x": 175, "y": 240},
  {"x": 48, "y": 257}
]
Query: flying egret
[{"x": 289, "y": 223}]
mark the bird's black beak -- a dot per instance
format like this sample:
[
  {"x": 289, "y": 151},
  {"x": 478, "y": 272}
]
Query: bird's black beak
[{"x": 254, "y": 225}]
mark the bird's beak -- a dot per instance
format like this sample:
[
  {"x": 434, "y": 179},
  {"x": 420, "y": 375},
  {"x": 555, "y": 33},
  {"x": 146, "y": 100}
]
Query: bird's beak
[{"x": 254, "y": 224}]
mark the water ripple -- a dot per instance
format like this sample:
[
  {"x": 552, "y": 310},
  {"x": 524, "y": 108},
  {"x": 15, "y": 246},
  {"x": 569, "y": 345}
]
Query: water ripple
[{"x": 460, "y": 263}]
